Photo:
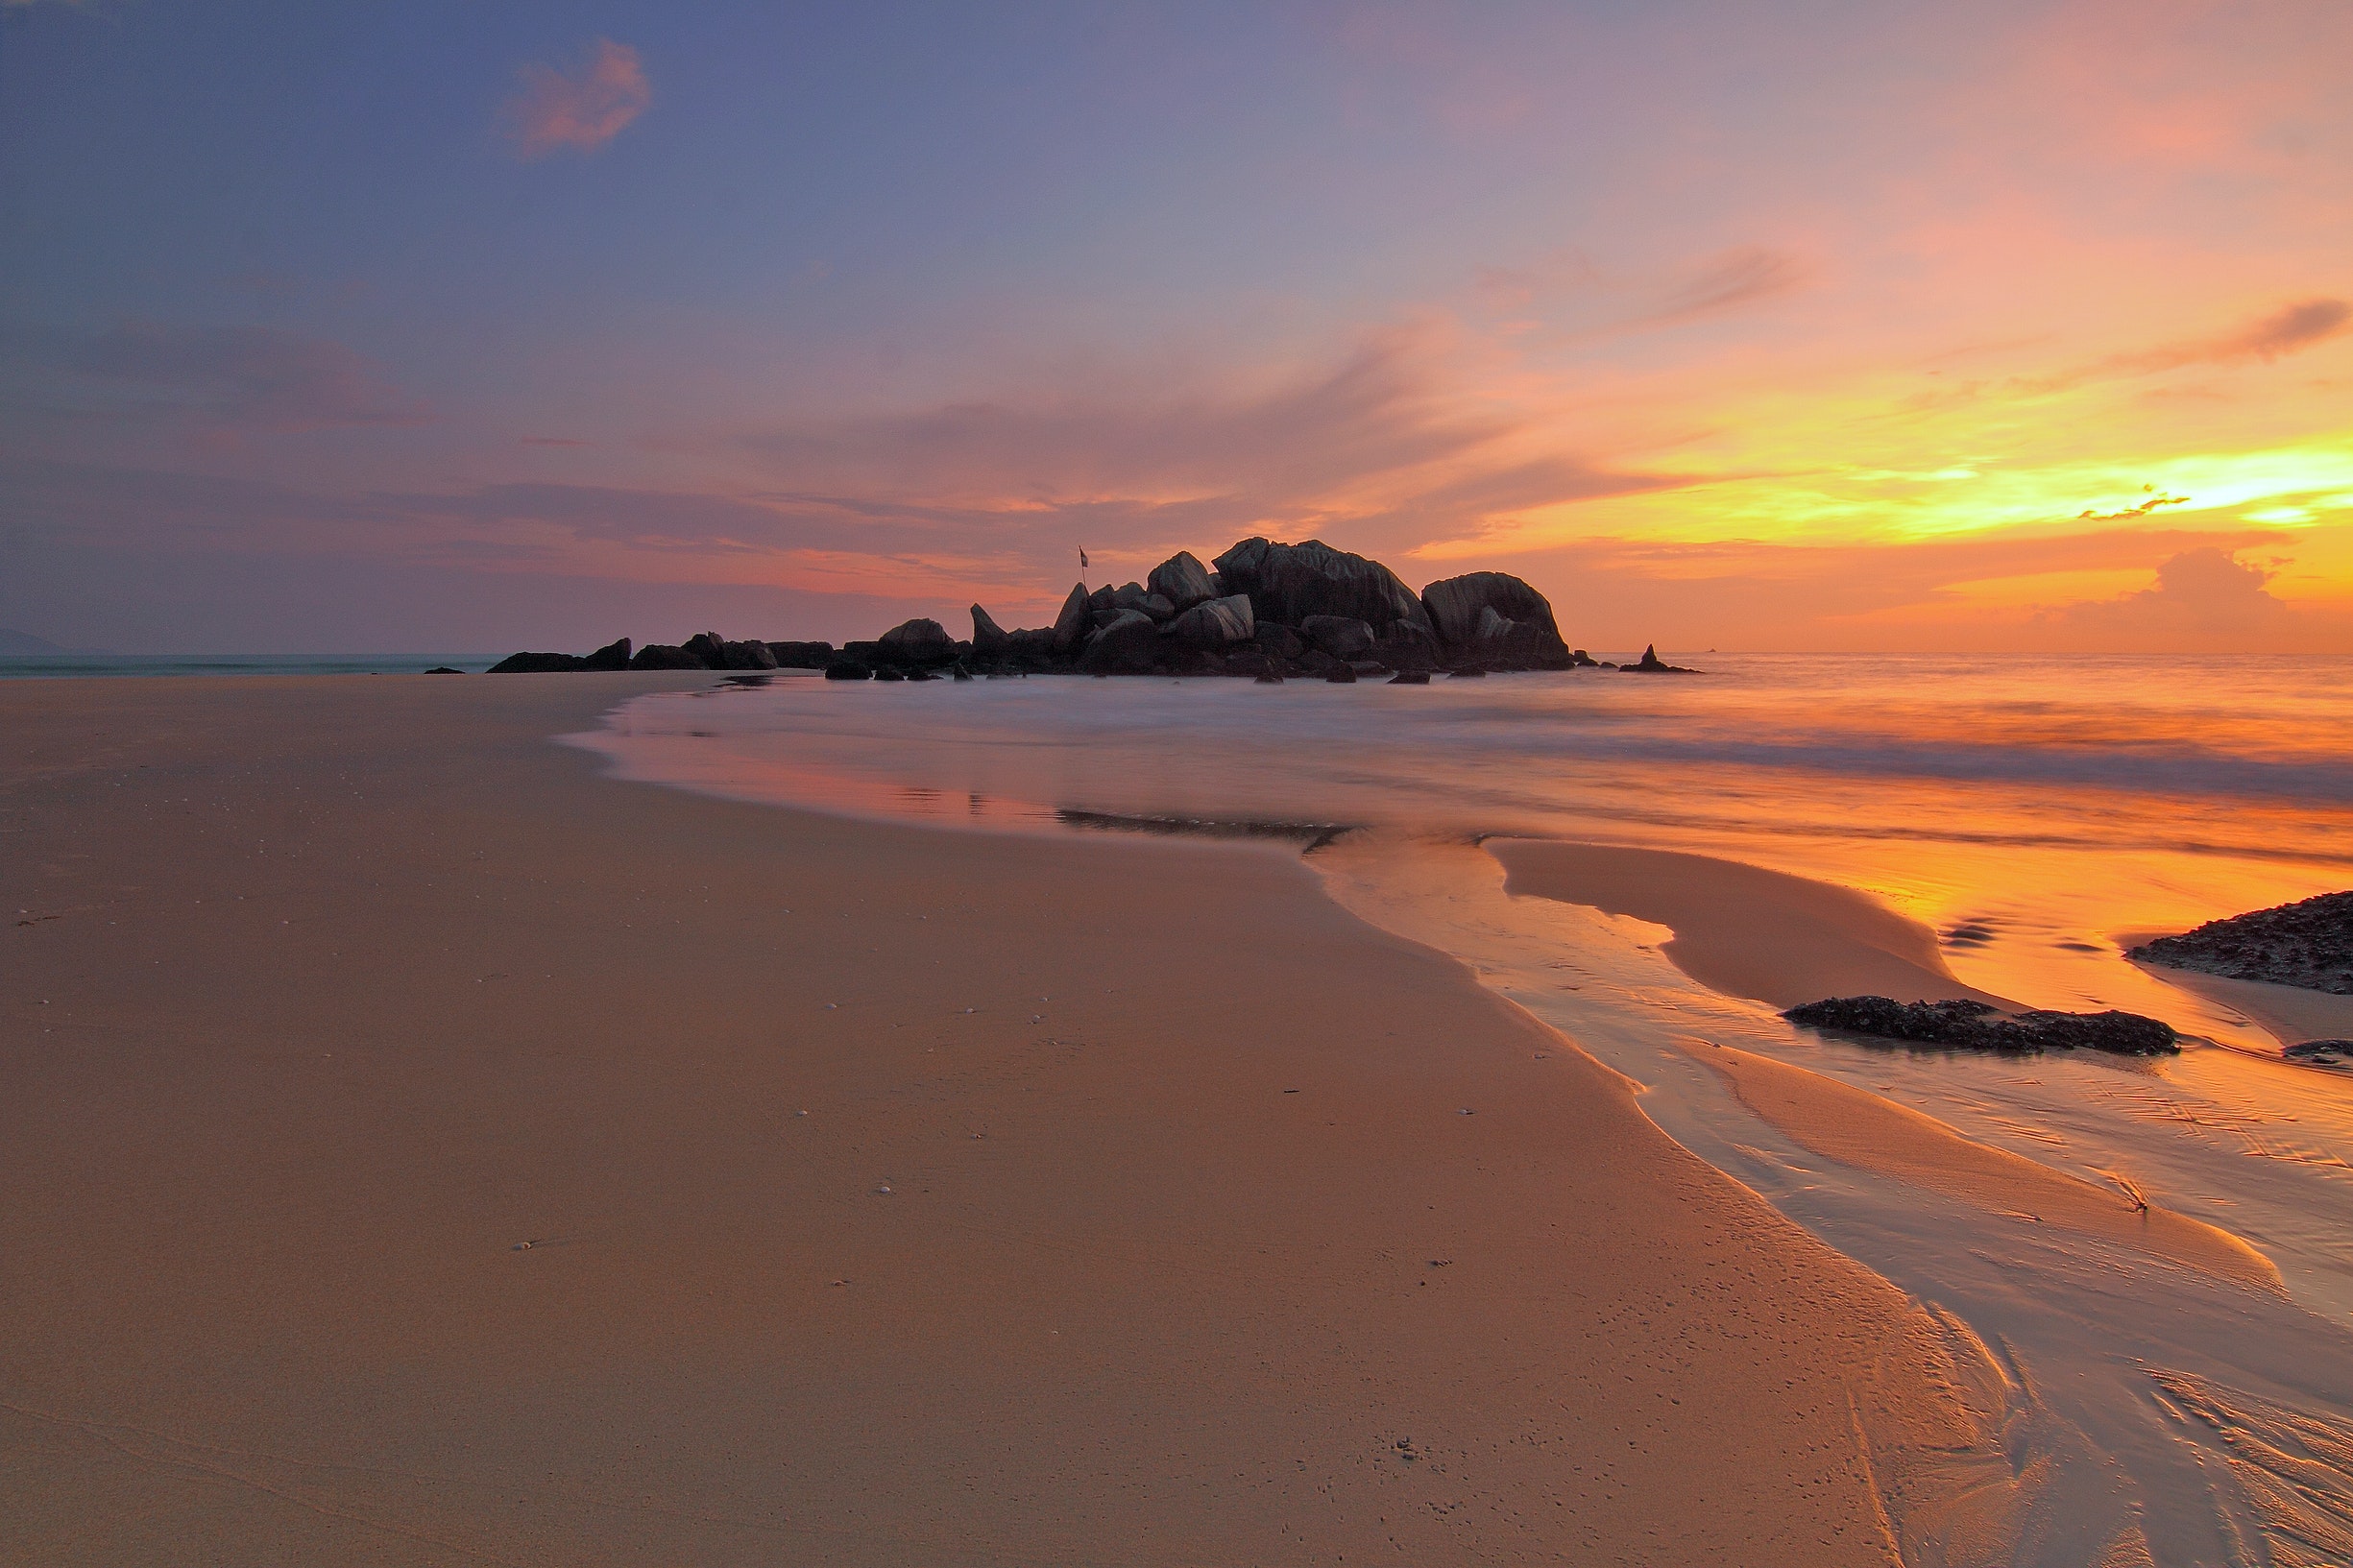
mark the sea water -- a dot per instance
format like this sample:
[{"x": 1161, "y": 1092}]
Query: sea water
[{"x": 2038, "y": 813}]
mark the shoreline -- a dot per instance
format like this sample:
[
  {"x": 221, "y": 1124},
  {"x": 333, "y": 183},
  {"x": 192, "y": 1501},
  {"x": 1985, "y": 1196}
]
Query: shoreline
[{"x": 1205, "y": 1262}]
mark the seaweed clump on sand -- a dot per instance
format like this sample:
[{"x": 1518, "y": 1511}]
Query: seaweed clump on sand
[
  {"x": 1974, "y": 1025},
  {"x": 2307, "y": 944}
]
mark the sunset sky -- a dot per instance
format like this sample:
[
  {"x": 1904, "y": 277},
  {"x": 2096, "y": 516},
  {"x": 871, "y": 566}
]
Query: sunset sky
[{"x": 1819, "y": 324}]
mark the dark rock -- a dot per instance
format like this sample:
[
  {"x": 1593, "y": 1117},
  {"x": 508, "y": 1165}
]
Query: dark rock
[
  {"x": 1653, "y": 664},
  {"x": 2321, "y": 1053},
  {"x": 917, "y": 641},
  {"x": 1128, "y": 645},
  {"x": 1135, "y": 596},
  {"x": 1099, "y": 607},
  {"x": 1367, "y": 668},
  {"x": 919, "y": 673},
  {"x": 1404, "y": 647},
  {"x": 709, "y": 648},
  {"x": 1581, "y": 659},
  {"x": 1974, "y": 1025},
  {"x": 1183, "y": 581},
  {"x": 612, "y": 656},
  {"x": 2307, "y": 944},
  {"x": 746, "y": 655},
  {"x": 1277, "y": 641},
  {"x": 1319, "y": 663},
  {"x": 961, "y": 673},
  {"x": 538, "y": 663},
  {"x": 890, "y": 672},
  {"x": 1248, "y": 662},
  {"x": 1266, "y": 677},
  {"x": 1456, "y": 605},
  {"x": 1071, "y": 625},
  {"x": 989, "y": 639},
  {"x": 847, "y": 669},
  {"x": 1343, "y": 636},
  {"x": 444, "y": 669},
  {"x": 801, "y": 655},
  {"x": 665, "y": 655},
  {"x": 1410, "y": 677},
  {"x": 866, "y": 653},
  {"x": 1466, "y": 672},
  {"x": 1288, "y": 583},
  {"x": 1341, "y": 674},
  {"x": 1214, "y": 624}
]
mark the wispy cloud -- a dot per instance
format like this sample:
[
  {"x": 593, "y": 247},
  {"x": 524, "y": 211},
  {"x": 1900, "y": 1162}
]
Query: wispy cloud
[
  {"x": 1740, "y": 278},
  {"x": 583, "y": 109},
  {"x": 2287, "y": 330},
  {"x": 237, "y": 380}
]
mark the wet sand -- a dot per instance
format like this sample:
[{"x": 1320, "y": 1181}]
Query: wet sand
[
  {"x": 423, "y": 1151},
  {"x": 1742, "y": 930}
]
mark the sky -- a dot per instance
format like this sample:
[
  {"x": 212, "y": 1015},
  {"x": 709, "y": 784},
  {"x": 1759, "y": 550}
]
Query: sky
[{"x": 1865, "y": 324}]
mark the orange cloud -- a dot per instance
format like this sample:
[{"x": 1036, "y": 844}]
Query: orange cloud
[
  {"x": 582, "y": 111},
  {"x": 2285, "y": 331}
]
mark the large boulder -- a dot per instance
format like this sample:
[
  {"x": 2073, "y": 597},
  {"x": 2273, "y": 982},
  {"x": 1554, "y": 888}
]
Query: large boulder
[
  {"x": 1214, "y": 625},
  {"x": 1974, "y": 1025},
  {"x": 1288, "y": 583},
  {"x": 1343, "y": 636},
  {"x": 1456, "y": 605},
  {"x": 989, "y": 639},
  {"x": 1134, "y": 596},
  {"x": 538, "y": 663},
  {"x": 1128, "y": 645},
  {"x": 612, "y": 656},
  {"x": 665, "y": 655},
  {"x": 1512, "y": 644},
  {"x": 709, "y": 648},
  {"x": 1077, "y": 617},
  {"x": 1183, "y": 581},
  {"x": 1277, "y": 641},
  {"x": 801, "y": 655},
  {"x": 917, "y": 641},
  {"x": 747, "y": 655}
]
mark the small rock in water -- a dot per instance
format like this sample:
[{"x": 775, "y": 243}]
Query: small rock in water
[{"x": 1974, "y": 1025}]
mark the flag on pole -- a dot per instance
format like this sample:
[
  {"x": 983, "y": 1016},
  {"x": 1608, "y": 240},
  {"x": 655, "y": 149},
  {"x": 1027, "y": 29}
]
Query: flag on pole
[{"x": 1082, "y": 558}]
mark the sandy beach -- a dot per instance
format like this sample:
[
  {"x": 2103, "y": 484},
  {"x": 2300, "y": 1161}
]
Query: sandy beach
[{"x": 424, "y": 1150}]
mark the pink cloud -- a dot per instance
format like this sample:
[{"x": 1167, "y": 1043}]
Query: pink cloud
[{"x": 582, "y": 110}]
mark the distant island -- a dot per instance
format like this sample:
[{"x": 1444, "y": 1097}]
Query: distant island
[
  {"x": 26, "y": 645},
  {"x": 1262, "y": 610}
]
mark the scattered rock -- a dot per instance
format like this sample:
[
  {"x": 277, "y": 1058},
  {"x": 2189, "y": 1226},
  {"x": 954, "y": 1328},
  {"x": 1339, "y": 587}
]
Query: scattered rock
[
  {"x": 1974, "y": 1025},
  {"x": 847, "y": 669},
  {"x": 890, "y": 672},
  {"x": 1410, "y": 677},
  {"x": 801, "y": 655},
  {"x": 2307, "y": 944},
  {"x": 2322, "y": 1053},
  {"x": 444, "y": 669}
]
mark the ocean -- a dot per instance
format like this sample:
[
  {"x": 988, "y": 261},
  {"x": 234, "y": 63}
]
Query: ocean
[
  {"x": 2038, "y": 813},
  {"x": 32, "y": 665}
]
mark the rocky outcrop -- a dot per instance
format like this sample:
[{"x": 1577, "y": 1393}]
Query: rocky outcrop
[
  {"x": 917, "y": 641},
  {"x": 1496, "y": 619},
  {"x": 538, "y": 663},
  {"x": 1974, "y": 1025},
  {"x": 1652, "y": 664},
  {"x": 1288, "y": 583},
  {"x": 1183, "y": 581},
  {"x": 1214, "y": 625},
  {"x": 2307, "y": 944},
  {"x": 665, "y": 655},
  {"x": 1269, "y": 611},
  {"x": 1076, "y": 620}
]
